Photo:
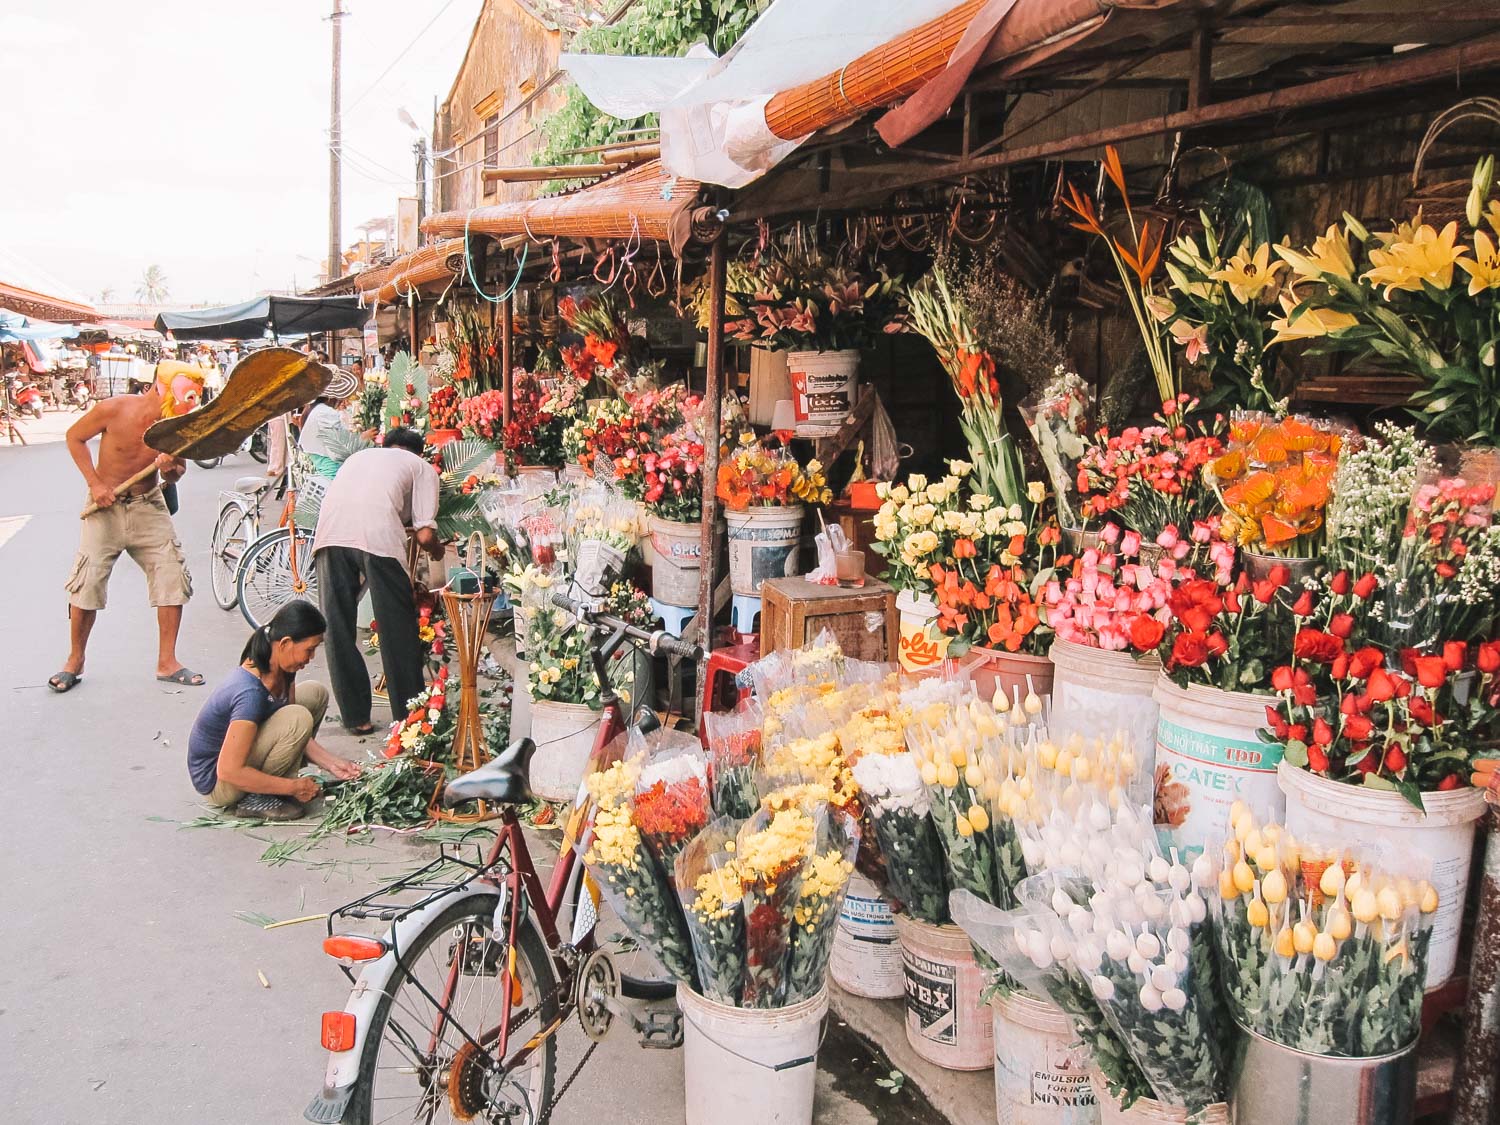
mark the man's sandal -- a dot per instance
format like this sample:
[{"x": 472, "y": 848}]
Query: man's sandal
[
  {"x": 64, "y": 682},
  {"x": 183, "y": 676}
]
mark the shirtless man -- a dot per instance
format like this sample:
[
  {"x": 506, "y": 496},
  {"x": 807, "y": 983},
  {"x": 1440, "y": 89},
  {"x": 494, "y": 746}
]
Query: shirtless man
[{"x": 136, "y": 522}]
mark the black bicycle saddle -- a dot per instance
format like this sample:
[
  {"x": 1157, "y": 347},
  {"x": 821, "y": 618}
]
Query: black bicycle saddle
[{"x": 501, "y": 781}]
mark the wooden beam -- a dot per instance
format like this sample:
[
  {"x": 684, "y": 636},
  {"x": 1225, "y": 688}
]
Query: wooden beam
[
  {"x": 541, "y": 172},
  {"x": 713, "y": 405}
]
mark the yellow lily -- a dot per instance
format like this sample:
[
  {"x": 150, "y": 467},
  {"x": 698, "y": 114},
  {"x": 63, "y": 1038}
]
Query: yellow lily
[
  {"x": 1492, "y": 215},
  {"x": 1248, "y": 274},
  {"x": 1405, "y": 263},
  {"x": 1484, "y": 268},
  {"x": 1311, "y": 324},
  {"x": 1329, "y": 254}
]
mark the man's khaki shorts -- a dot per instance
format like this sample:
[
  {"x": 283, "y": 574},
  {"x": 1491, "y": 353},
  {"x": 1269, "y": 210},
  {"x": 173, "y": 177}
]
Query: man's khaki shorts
[{"x": 140, "y": 527}]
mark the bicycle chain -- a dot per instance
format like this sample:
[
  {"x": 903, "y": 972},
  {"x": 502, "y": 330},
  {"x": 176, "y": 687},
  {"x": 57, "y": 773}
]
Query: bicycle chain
[{"x": 557, "y": 1097}]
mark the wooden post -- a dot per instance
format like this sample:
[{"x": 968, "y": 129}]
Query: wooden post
[
  {"x": 1200, "y": 66},
  {"x": 713, "y": 400},
  {"x": 507, "y": 356}
]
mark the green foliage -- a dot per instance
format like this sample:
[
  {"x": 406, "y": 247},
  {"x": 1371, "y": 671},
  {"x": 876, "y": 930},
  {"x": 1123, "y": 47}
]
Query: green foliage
[
  {"x": 650, "y": 27},
  {"x": 404, "y": 370}
]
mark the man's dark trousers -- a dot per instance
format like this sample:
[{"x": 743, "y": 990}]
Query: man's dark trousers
[{"x": 343, "y": 574}]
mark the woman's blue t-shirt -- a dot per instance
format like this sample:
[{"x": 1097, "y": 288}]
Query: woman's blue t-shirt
[{"x": 239, "y": 696}]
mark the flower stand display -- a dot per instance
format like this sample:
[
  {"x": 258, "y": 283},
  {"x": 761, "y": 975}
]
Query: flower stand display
[{"x": 862, "y": 620}]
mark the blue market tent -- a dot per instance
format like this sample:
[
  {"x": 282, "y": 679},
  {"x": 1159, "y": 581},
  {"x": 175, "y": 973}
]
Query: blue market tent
[
  {"x": 251, "y": 320},
  {"x": 15, "y": 328}
]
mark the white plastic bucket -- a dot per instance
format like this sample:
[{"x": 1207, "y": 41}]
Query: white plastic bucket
[
  {"x": 1387, "y": 825},
  {"x": 1096, "y": 693},
  {"x": 823, "y": 386},
  {"x": 1041, "y": 1070},
  {"x": 763, "y": 544},
  {"x": 750, "y": 1066},
  {"x": 945, "y": 1022},
  {"x": 564, "y": 737},
  {"x": 918, "y": 651},
  {"x": 866, "y": 957},
  {"x": 1208, "y": 755},
  {"x": 678, "y": 562},
  {"x": 1148, "y": 1111}
]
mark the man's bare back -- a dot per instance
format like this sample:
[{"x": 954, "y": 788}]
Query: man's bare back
[{"x": 120, "y": 423}]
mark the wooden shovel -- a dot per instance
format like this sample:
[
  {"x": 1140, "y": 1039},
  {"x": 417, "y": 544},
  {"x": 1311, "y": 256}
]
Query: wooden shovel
[{"x": 262, "y": 386}]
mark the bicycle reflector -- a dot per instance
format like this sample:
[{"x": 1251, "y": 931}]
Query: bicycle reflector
[
  {"x": 338, "y": 1031},
  {"x": 354, "y": 947}
]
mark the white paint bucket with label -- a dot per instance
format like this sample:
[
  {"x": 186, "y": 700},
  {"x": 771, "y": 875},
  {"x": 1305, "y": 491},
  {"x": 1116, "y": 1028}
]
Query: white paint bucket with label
[
  {"x": 866, "y": 957},
  {"x": 823, "y": 386},
  {"x": 1041, "y": 1070},
  {"x": 945, "y": 1022}
]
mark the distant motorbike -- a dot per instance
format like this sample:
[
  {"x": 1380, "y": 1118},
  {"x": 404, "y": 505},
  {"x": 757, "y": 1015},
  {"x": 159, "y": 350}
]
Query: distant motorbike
[{"x": 28, "y": 397}]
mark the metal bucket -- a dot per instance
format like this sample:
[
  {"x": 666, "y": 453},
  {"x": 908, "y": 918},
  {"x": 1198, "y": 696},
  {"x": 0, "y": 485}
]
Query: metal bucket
[{"x": 1271, "y": 1083}]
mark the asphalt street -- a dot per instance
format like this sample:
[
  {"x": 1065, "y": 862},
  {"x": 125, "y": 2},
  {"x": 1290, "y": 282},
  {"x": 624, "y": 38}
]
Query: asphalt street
[{"x": 133, "y": 989}]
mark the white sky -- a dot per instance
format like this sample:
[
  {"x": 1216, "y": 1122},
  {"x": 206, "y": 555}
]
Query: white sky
[{"x": 194, "y": 134}]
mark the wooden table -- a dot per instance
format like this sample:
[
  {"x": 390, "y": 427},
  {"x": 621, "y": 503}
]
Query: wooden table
[{"x": 863, "y": 619}]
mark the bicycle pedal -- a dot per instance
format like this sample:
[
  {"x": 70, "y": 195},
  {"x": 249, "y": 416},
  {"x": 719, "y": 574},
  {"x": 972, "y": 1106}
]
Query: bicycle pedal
[{"x": 661, "y": 1029}]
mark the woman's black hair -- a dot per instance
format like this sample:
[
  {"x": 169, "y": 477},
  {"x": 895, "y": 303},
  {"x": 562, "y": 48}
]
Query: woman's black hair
[
  {"x": 296, "y": 620},
  {"x": 401, "y": 437}
]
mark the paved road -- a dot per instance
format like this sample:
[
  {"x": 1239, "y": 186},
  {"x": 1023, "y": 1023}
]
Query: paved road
[{"x": 129, "y": 989}]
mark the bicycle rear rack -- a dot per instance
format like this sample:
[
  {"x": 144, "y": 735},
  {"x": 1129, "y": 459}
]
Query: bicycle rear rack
[{"x": 450, "y": 871}]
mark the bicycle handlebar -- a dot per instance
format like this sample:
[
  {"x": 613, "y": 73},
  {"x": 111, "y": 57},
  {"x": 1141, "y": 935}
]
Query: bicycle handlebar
[{"x": 655, "y": 641}]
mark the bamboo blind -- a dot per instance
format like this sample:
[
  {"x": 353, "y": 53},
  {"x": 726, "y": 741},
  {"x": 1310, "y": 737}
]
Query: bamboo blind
[{"x": 428, "y": 264}]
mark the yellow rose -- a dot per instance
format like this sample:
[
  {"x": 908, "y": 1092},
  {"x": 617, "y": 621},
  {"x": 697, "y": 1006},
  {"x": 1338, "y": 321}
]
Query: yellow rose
[
  {"x": 923, "y": 514},
  {"x": 917, "y": 482},
  {"x": 1036, "y": 492}
]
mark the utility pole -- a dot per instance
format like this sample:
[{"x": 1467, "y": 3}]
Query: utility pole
[
  {"x": 335, "y": 147},
  {"x": 420, "y": 148}
]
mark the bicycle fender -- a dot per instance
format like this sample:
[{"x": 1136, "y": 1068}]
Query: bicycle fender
[{"x": 343, "y": 1066}]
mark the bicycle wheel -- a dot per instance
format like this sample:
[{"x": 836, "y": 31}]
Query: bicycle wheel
[
  {"x": 207, "y": 462},
  {"x": 266, "y": 581},
  {"x": 258, "y": 445},
  {"x": 420, "y": 1063},
  {"x": 226, "y": 549}
]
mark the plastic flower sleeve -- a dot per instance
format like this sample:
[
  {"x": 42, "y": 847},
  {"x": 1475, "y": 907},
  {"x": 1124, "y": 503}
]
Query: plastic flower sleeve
[
  {"x": 820, "y": 897},
  {"x": 708, "y": 883},
  {"x": 671, "y": 803},
  {"x": 734, "y": 750},
  {"x": 770, "y": 852},
  {"x": 637, "y": 890},
  {"x": 900, "y": 813},
  {"x": 1057, "y": 419}
]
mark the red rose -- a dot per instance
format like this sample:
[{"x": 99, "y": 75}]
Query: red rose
[
  {"x": 1340, "y": 583},
  {"x": 1281, "y": 678},
  {"x": 1368, "y": 764},
  {"x": 1305, "y": 695},
  {"x": 1217, "y": 645},
  {"x": 1146, "y": 633},
  {"x": 1395, "y": 759},
  {"x": 1322, "y": 733},
  {"x": 1421, "y": 710},
  {"x": 1339, "y": 669},
  {"x": 1188, "y": 651},
  {"x": 1358, "y": 727},
  {"x": 1452, "y": 781},
  {"x": 1365, "y": 586},
  {"x": 1263, "y": 591},
  {"x": 1382, "y": 688},
  {"x": 1432, "y": 672},
  {"x": 1342, "y": 625},
  {"x": 1303, "y": 606},
  {"x": 1317, "y": 759},
  {"x": 1489, "y": 656},
  {"x": 1317, "y": 646},
  {"x": 1297, "y": 732},
  {"x": 1455, "y": 655},
  {"x": 1365, "y": 661},
  {"x": 1274, "y": 720},
  {"x": 1280, "y": 575}
]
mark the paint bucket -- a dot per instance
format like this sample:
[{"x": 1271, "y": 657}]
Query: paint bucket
[
  {"x": 823, "y": 385},
  {"x": 750, "y": 1066},
  {"x": 763, "y": 544},
  {"x": 1271, "y": 1082},
  {"x": 678, "y": 562},
  {"x": 1387, "y": 825},
  {"x": 866, "y": 957},
  {"x": 1149, "y": 1111},
  {"x": 1209, "y": 755},
  {"x": 918, "y": 651},
  {"x": 1097, "y": 693},
  {"x": 1041, "y": 1070},
  {"x": 945, "y": 1022},
  {"x": 564, "y": 737}
]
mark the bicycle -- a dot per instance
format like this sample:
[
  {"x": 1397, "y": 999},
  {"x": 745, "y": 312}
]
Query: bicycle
[
  {"x": 471, "y": 967},
  {"x": 261, "y": 572}
]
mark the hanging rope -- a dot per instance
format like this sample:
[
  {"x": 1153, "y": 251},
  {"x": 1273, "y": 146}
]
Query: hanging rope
[{"x": 474, "y": 281}]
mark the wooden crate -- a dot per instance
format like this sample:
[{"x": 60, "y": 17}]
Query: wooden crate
[{"x": 794, "y": 611}]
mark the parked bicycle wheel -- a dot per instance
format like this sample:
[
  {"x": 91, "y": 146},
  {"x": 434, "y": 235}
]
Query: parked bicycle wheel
[
  {"x": 642, "y": 976},
  {"x": 420, "y": 1062},
  {"x": 258, "y": 445},
  {"x": 226, "y": 549},
  {"x": 268, "y": 579}
]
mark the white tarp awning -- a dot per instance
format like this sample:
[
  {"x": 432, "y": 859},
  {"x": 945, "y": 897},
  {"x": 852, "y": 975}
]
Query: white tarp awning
[{"x": 713, "y": 123}]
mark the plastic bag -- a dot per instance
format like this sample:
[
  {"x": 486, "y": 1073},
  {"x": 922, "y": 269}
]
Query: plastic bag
[
  {"x": 734, "y": 749},
  {"x": 671, "y": 803},
  {"x": 820, "y": 897},
  {"x": 770, "y": 852},
  {"x": 708, "y": 884}
]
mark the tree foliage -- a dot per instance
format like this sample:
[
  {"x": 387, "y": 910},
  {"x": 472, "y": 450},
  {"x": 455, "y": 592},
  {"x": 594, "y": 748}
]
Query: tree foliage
[{"x": 650, "y": 27}]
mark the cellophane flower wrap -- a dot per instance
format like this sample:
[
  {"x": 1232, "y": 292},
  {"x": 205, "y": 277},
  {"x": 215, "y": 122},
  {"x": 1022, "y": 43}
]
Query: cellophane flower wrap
[
  {"x": 770, "y": 852},
  {"x": 820, "y": 897},
  {"x": 708, "y": 883},
  {"x": 630, "y": 877},
  {"x": 1057, "y": 419},
  {"x": 901, "y": 815},
  {"x": 671, "y": 803},
  {"x": 1274, "y": 482},
  {"x": 733, "y": 759},
  {"x": 1320, "y": 947}
]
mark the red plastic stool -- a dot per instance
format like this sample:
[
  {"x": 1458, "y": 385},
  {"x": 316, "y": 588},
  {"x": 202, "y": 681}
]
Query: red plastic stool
[{"x": 725, "y": 662}]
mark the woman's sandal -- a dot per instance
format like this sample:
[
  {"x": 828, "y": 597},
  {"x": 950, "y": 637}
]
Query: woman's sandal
[
  {"x": 64, "y": 682},
  {"x": 361, "y": 730}
]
